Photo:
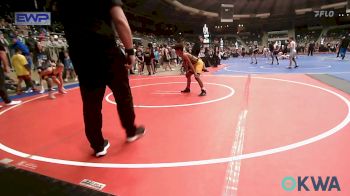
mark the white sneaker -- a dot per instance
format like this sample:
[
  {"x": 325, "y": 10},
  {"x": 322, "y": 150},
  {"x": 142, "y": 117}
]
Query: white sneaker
[
  {"x": 66, "y": 80},
  {"x": 14, "y": 103},
  {"x": 104, "y": 150},
  {"x": 140, "y": 131},
  {"x": 28, "y": 91},
  {"x": 42, "y": 91}
]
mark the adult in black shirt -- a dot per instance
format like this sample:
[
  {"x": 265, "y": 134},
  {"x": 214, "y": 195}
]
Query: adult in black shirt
[
  {"x": 216, "y": 59},
  {"x": 271, "y": 49},
  {"x": 344, "y": 46},
  {"x": 196, "y": 49},
  {"x": 153, "y": 63},
  {"x": 148, "y": 60},
  {"x": 197, "y": 46},
  {"x": 99, "y": 62},
  {"x": 311, "y": 49}
]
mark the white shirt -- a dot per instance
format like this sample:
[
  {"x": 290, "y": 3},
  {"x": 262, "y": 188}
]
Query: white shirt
[{"x": 293, "y": 47}]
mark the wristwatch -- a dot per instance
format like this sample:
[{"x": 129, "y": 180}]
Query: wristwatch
[{"x": 130, "y": 51}]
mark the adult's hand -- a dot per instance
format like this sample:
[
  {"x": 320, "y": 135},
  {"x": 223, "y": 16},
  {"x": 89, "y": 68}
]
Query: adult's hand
[{"x": 130, "y": 61}]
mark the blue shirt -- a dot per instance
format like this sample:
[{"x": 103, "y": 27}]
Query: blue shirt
[{"x": 22, "y": 47}]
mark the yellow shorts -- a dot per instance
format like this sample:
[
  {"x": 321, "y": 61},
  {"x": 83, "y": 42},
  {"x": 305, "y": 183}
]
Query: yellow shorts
[{"x": 198, "y": 67}]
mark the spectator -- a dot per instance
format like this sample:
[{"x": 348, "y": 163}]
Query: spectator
[
  {"x": 4, "y": 69},
  {"x": 21, "y": 67}
]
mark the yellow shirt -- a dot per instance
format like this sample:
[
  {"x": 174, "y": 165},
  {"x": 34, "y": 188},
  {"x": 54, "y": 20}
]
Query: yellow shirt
[{"x": 19, "y": 61}]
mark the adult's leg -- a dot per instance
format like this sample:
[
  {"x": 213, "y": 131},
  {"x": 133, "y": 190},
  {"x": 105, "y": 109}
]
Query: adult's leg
[
  {"x": 149, "y": 69},
  {"x": 153, "y": 66},
  {"x": 272, "y": 57},
  {"x": 256, "y": 60},
  {"x": 290, "y": 61},
  {"x": 118, "y": 82},
  {"x": 338, "y": 52},
  {"x": 92, "y": 105},
  {"x": 295, "y": 62},
  {"x": 342, "y": 52}
]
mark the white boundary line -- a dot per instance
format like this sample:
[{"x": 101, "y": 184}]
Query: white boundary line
[
  {"x": 291, "y": 72},
  {"x": 164, "y": 93},
  {"x": 201, "y": 162},
  {"x": 234, "y": 167},
  {"x": 176, "y": 105},
  {"x": 300, "y": 67},
  {"x": 275, "y": 73}
]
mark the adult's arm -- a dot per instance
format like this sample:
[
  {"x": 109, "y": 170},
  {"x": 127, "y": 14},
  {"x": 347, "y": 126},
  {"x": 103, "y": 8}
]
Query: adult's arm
[{"x": 123, "y": 29}]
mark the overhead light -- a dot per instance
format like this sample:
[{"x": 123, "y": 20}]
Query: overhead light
[
  {"x": 334, "y": 5},
  {"x": 263, "y": 15},
  {"x": 242, "y": 16},
  {"x": 226, "y": 20},
  {"x": 302, "y": 11}
]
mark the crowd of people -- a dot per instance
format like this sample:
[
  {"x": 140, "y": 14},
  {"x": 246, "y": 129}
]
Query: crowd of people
[{"x": 45, "y": 54}]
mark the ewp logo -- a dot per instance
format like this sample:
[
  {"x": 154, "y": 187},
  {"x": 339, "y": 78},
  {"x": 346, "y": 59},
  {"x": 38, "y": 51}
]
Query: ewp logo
[
  {"x": 33, "y": 18},
  {"x": 318, "y": 184}
]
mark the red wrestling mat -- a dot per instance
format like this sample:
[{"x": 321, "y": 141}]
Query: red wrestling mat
[{"x": 244, "y": 137}]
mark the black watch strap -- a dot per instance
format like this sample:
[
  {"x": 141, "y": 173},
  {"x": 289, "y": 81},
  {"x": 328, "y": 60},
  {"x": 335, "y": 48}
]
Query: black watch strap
[{"x": 130, "y": 51}]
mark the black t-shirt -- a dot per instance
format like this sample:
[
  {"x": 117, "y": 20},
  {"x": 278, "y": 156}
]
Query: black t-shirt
[
  {"x": 139, "y": 54},
  {"x": 196, "y": 49},
  {"x": 311, "y": 45},
  {"x": 147, "y": 57},
  {"x": 91, "y": 37},
  {"x": 88, "y": 25},
  {"x": 271, "y": 48},
  {"x": 345, "y": 43}
]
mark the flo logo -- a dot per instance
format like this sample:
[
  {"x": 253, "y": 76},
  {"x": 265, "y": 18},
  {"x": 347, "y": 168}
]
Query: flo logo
[
  {"x": 324, "y": 13},
  {"x": 311, "y": 183}
]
